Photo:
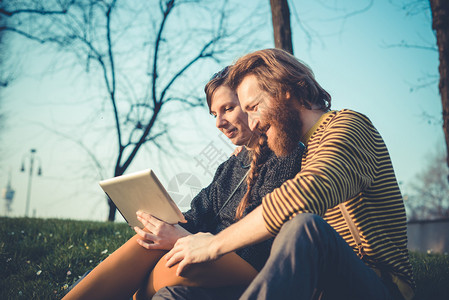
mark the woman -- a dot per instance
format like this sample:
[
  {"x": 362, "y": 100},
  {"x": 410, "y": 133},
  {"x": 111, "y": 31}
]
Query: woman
[{"x": 137, "y": 265}]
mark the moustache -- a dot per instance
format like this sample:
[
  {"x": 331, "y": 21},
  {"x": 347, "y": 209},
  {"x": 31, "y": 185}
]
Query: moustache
[{"x": 262, "y": 128}]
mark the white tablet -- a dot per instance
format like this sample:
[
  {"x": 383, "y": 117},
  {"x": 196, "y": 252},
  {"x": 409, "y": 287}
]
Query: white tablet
[{"x": 141, "y": 191}]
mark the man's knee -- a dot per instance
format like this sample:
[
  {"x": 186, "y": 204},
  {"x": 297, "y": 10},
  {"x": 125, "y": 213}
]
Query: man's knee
[
  {"x": 300, "y": 222},
  {"x": 303, "y": 228}
]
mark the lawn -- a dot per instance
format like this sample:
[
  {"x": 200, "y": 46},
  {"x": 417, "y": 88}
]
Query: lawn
[{"x": 40, "y": 258}]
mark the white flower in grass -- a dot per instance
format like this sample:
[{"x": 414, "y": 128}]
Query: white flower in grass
[
  {"x": 104, "y": 251},
  {"x": 69, "y": 273},
  {"x": 38, "y": 272},
  {"x": 8, "y": 259},
  {"x": 70, "y": 247}
]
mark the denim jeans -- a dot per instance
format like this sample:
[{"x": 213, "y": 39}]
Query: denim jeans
[
  {"x": 310, "y": 260},
  {"x": 198, "y": 293}
]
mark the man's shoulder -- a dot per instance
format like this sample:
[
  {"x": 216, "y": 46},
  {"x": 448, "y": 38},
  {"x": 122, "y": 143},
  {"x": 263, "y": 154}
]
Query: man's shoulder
[
  {"x": 350, "y": 114},
  {"x": 349, "y": 118}
]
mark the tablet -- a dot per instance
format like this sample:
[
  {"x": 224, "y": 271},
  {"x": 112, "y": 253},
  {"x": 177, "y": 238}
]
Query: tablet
[{"x": 141, "y": 191}]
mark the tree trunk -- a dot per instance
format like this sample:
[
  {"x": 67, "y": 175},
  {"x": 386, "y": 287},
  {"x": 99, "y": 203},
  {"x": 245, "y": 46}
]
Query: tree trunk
[
  {"x": 280, "y": 14},
  {"x": 440, "y": 23},
  {"x": 112, "y": 210}
]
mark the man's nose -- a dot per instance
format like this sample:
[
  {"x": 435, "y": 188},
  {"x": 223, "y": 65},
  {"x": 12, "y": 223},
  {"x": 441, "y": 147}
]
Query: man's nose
[{"x": 253, "y": 122}]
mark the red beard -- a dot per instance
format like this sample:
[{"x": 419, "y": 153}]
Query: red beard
[{"x": 285, "y": 127}]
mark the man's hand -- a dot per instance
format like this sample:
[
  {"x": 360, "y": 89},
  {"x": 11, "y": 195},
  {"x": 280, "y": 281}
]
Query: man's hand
[
  {"x": 202, "y": 247},
  {"x": 159, "y": 235},
  {"x": 192, "y": 249}
]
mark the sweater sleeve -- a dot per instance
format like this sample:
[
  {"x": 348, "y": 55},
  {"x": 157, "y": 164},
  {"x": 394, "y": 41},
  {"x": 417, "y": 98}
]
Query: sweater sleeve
[{"x": 340, "y": 162}]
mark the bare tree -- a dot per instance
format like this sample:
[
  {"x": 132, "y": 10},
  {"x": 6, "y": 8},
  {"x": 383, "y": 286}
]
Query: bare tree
[
  {"x": 157, "y": 40},
  {"x": 280, "y": 14},
  {"x": 440, "y": 24},
  {"x": 429, "y": 197}
]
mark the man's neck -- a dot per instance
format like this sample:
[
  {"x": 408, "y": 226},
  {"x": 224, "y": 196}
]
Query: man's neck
[{"x": 309, "y": 117}]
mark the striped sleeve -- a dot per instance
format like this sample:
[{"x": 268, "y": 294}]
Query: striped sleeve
[{"x": 339, "y": 163}]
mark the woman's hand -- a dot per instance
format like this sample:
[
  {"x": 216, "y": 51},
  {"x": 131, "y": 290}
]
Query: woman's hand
[{"x": 158, "y": 234}]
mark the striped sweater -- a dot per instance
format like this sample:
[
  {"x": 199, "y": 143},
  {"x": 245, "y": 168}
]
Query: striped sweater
[{"x": 346, "y": 160}]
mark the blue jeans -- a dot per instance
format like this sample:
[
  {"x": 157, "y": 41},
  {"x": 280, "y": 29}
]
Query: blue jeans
[
  {"x": 198, "y": 293},
  {"x": 310, "y": 260}
]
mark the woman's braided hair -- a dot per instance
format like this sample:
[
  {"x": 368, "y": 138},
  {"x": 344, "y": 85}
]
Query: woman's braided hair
[{"x": 260, "y": 155}]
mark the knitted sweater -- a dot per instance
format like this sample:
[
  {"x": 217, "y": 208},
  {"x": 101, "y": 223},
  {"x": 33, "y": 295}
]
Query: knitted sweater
[{"x": 207, "y": 213}]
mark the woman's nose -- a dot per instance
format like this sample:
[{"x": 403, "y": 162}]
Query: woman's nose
[{"x": 220, "y": 122}]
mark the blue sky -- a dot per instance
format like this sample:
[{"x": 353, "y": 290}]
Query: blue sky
[{"x": 354, "y": 58}]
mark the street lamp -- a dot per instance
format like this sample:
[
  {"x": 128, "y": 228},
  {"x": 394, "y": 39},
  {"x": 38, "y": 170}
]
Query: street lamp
[{"x": 32, "y": 156}]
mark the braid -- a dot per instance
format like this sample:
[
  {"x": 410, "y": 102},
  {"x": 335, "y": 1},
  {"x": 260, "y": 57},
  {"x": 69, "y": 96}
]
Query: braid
[{"x": 259, "y": 157}]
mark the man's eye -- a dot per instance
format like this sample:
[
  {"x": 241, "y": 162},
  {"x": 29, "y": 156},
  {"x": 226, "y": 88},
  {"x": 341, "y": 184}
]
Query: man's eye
[
  {"x": 229, "y": 108},
  {"x": 214, "y": 116},
  {"x": 254, "y": 107}
]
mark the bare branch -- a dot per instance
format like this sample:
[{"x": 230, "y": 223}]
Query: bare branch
[
  {"x": 33, "y": 11},
  {"x": 202, "y": 54},
  {"x": 85, "y": 148},
  {"x": 404, "y": 44},
  {"x": 198, "y": 101},
  {"x": 169, "y": 6},
  {"x": 349, "y": 14}
]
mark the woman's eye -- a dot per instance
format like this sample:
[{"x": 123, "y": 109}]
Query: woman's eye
[
  {"x": 254, "y": 107},
  {"x": 229, "y": 108}
]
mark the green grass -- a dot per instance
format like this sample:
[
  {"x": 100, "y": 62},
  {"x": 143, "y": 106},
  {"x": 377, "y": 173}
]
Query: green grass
[
  {"x": 40, "y": 258},
  {"x": 431, "y": 275}
]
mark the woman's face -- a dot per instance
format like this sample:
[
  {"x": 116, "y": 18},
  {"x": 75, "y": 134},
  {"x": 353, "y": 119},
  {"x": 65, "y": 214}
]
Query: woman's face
[{"x": 230, "y": 119}]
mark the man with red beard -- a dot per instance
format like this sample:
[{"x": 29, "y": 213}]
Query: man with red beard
[{"x": 340, "y": 223}]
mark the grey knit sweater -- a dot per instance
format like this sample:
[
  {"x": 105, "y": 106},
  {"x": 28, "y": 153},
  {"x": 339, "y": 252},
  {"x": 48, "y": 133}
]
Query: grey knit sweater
[{"x": 203, "y": 215}]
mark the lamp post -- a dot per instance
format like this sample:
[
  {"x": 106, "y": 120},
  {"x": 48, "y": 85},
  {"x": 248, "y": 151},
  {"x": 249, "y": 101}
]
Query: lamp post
[
  {"x": 32, "y": 156},
  {"x": 8, "y": 195}
]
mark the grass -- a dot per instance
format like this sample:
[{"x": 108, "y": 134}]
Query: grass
[{"x": 40, "y": 258}]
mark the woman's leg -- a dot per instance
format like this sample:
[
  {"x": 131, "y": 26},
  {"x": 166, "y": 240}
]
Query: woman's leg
[
  {"x": 229, "y": 270},
  {"x": 119, "y": 275}
]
